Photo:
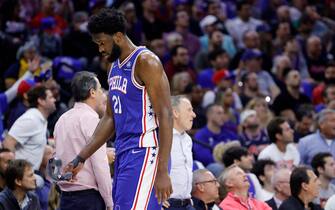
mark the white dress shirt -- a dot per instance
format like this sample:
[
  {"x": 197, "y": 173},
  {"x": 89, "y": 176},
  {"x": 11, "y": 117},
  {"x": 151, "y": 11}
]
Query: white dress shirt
[{"x": 181, "y": 165}]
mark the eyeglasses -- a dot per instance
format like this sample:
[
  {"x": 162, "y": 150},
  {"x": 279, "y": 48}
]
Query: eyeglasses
[{"x": 209, "y": 181}]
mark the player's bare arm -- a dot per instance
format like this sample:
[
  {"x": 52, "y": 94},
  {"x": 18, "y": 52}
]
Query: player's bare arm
[
  {"x": 150, "y": 73},
  {"x": 103, "y": 132}
]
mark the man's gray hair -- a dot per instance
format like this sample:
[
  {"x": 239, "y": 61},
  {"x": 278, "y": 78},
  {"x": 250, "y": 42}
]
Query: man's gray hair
[
  {"x": 277, "y": 176},
  {"x": 225, "y": 174},
  {"x": 197, "y": 177},
  {"x": 175, "y": 100},
  {"x": 321, "y": 116}
]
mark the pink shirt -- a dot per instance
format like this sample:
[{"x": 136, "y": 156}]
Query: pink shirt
[
  {"x": 233, "y": 202},
  {"x": 72, "y": 132}
]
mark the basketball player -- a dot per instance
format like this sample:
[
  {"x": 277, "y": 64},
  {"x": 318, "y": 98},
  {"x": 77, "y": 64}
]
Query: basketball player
[{"x": 139, "y": 114}]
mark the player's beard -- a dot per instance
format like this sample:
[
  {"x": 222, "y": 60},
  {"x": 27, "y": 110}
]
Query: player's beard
[{"x": 115, "y": 53}]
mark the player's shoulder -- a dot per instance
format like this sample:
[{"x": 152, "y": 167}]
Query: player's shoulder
[{"x": 146, "y": 56}]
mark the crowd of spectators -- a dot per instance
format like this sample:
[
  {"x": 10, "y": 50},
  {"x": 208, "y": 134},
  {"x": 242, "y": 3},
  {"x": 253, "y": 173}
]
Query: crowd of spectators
[{"x": 259, "y": 74}]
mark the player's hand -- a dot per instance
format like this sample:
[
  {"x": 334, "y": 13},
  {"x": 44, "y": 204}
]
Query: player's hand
[
  {"x": 166, "y": 204},
  {"x": 163, "y": 186},
  {"x": 111, "y": 154},
  {"x": 74, "y": 167}
]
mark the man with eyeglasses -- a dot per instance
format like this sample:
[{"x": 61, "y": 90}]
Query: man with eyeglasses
[{"x": 205, "y": 190}]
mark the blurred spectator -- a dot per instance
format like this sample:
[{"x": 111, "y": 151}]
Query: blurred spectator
[
  {"x": 20, "y": 179},
  {"x": 328, "y": 98},
  {"x": 52, "y": 85},
  {"x": 209, "y": 25},
  {"x": 181, "y": 155},
  {"x": 281, "y": 185},
  {"x": 265, "y": 170},
  {"x": 242, "y": 23},
  {"x": 283, "y": 34},
  {"x": 252, "y": 135},
  {"x": 205, "y": 189},
  {"x": 239, "y": 156},
  {"x": 5, "y": 157},
  {"x": 316, "y": 58},
  {"x": 216, "y": 42},
  {"x": 8, "y": 96},
  {"x": 319, "y": 29},
  {"x": 293, "y": 51},
  {"x": 281, "y": 65},
  {"x": 281, "y": 150},
  {"x": 152, "y": 27},
  {"x": 324, "y": 167},
  {"x": 20, "y": 104},
  {"x": 213, "y": 133},
  {"x": 235, "y": 180},
  {"x": 215, "y": 8},
  {"x": 28, "y": 135},
  {"x": 253, "y": 60},
  {"x": 250, "y": 88},
  {"x": 320, "y": 141},
  {"x": 43, "y": 192},
  {"x": 230, "y": 101},
  {"x": 47, "y": 19},
  {"x": 293, "y": 97},
  {"x": 28, "y": 59},
  {"x": 179, "y": 62},
  {"x": 77, "y": 42},
  {"x": 179, "y": 83},
  {"x": 196, "y": 93},
  {"x": 157, "y": 46},
  {"x": 260, "y": 105},
  {"x": 329, "y": 76},
  {"x": 191, "y": 42},
  {"x": 172, "y": 40},
  {"x": 251, "y": 41},
  {"x": 305, "y": 122},
  {"x": 134, "y": 25},
  {"x": 219, "y": 60},
  {"x": 305, "y": 187},
  {"x": 11, "y": 21}
]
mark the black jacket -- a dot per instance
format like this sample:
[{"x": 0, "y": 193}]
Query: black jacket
[
  {"x": 272, "y": 203},
  {"x": 293, "y": 203},
  {"x": 9, "y": 202}
]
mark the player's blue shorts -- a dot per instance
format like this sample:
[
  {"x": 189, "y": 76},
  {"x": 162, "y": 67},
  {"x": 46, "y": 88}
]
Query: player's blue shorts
[{"x": 133, "y": 184}]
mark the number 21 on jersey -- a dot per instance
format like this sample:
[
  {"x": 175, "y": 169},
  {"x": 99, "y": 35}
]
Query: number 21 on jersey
[{"x": 117, "y": 104}]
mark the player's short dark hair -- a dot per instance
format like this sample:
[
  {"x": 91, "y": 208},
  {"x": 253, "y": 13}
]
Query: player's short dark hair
[
  {"x": 319, "y": 161},
  {"x": 274, "y": 128},
  {"x": 38, "y": 92},
  {"x": 232, "y": 154},
  {"x": 298, "y": 176},
  {"x": 81, "y": 85},
  {"x": 109, "y": 21},
  {"x": 259, "y": 167},
  {"x": 15, "y": 171}
]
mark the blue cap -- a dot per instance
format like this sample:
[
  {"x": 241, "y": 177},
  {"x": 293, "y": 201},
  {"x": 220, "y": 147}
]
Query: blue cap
[{"x": 251, "y": 54}]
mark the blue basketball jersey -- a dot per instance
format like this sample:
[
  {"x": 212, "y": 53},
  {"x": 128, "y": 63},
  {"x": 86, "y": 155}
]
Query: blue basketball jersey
[{"x": 136, "y": 124}]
